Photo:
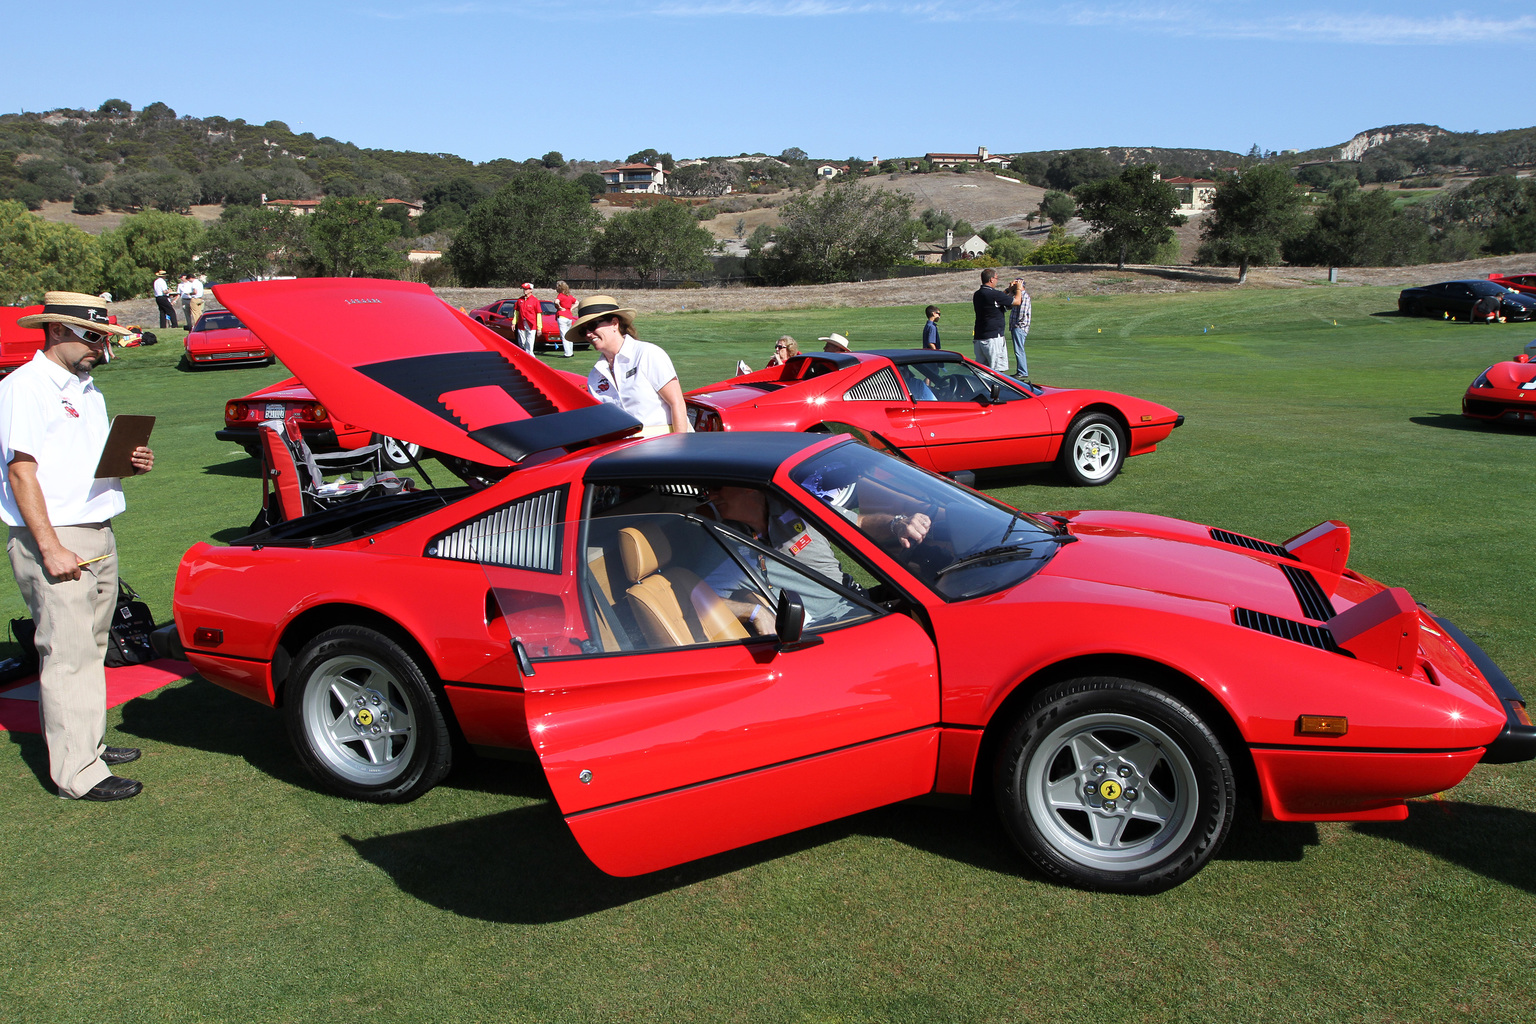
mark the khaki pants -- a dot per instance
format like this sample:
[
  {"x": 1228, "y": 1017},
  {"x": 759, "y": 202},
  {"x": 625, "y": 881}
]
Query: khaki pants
[
  {"x": 73, "y": 618},
  {"x": 197, "y": 311}
]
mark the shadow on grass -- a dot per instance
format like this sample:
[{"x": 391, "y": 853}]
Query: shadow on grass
[
  {"x": 1495, "y": 842},
  {"x": 1453, "y": 421},
  {"x": 34, "y": 754},
  {"x": 246, "y": 467}
]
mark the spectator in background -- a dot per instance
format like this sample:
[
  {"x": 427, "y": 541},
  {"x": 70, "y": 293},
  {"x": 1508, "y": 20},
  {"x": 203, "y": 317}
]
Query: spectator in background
[
  {"x": 163, "y": 301},
  {"x": 1018, "y": 326},
  {"x": 991, "y": 308},
  {"x": 785, "y": 349},
  {"x": 567, "y": 314},
  {"x": 529, "y": 318},
  {"x": 931, "y": 328},
  {"x": 635, "y": 375},
  {"x": 184, "y": 294},
  {"x": 835, "y": 343},
  {"x": 197, "y": 300}
]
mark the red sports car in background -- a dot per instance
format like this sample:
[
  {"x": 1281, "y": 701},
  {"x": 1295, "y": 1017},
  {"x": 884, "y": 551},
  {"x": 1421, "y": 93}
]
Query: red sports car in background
[
  {"x": 709, "y": 640},
  {"x": 944, "y": 411},
  {"x": 322, "y": 433},
  {"x": 1519, "y": 282},
  {"x": 220, "y": 339},
  {"x": 18, "y": 343},
  {"x": 500, "y": 315},
  {"x": 1503, "y": 393}
]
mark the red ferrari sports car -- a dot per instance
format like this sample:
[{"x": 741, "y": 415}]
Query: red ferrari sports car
[
  {"x": 944, "y": 411},
  {"x": 220, "y": 339},
  {"x": 17, "y": 343},
  {"x": 291, "y": 399},
  {"x": 711, "y": 639},
  {"x": 501, "y": 314},
  {"x": 1503, "y": 393},
  {"x": 1525, "y": 283}
]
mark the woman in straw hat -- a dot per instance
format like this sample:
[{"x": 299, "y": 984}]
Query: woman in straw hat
[
  {"x": 53, "y": 426},
  {"x": 635, "y": 375}
]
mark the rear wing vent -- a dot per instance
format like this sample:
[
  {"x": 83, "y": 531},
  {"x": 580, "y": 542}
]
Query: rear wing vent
[
  {"x": 1252, "y": 544},
  {"x": 1286, "y": 629},
  {"x": 1315, "y": 603},
  {"x": 523, "y": 535},
  {"x": 879, "y": 386}
]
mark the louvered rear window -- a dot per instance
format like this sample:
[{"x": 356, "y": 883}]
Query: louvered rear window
[
  {"x": 880, "y": 386},
  {"x": 523, "y": 535}
]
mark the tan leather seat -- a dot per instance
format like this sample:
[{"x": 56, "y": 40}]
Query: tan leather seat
[{"x": 672, "y": 606}]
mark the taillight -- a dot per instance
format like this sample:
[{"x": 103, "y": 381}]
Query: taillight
[
  {"x": 236, "y": 411},
  {"x": 312, "y": 412}
]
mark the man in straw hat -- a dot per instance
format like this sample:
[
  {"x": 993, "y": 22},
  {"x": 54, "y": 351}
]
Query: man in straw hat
[
  {"x": 635, "y": 375},
  {"x": 162, "y": 292},
  {"x": 53, "y": 425}
]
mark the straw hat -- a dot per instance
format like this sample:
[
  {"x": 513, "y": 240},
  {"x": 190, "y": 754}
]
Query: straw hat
[
  {"x": 595, "y": 307},
  {"x": 73, "y": 308},
  {"x": 835, "y": 343}
]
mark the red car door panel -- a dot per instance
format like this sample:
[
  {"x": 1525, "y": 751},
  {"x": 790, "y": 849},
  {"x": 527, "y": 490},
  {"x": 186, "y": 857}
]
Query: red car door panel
[{"x": 660, "y": 757}]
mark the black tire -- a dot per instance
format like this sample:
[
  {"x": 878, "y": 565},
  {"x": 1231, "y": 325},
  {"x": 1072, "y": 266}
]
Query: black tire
[
  {"x": 392, "y": 452},
  {"x": 391, "y": 747},
  {"x": 1163, "y": 789},
  {"x": 1092, "y": 450}
]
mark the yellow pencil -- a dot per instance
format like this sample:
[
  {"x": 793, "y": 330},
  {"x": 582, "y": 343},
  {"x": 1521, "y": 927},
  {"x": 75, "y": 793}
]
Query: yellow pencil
[{"x": 88, "y": 561}]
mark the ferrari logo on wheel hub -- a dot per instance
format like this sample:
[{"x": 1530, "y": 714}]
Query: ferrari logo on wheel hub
[
  {"x": 1109, "y": 789},
  {"x": 365, "y": 717}
]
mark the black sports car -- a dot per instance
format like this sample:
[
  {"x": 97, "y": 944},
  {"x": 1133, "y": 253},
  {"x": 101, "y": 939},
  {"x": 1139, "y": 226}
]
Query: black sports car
[{"x": 1477, "y": 301}]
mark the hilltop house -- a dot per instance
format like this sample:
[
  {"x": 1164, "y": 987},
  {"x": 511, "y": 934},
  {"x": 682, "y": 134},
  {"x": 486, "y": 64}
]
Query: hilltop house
[
  {"x": 1194, "y": 193},
  {"x": 299, "y": 207},
  {"x": 949, "y": 161},
  {"x": 636, "y": 178}
]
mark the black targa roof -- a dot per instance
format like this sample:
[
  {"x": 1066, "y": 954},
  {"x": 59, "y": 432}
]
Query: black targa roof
[{"x": 747, "y": 456}]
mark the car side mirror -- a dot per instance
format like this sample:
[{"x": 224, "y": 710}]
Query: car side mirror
[
  {"x": 789, "y": 620},
  {"x": 524, "y": 663}
]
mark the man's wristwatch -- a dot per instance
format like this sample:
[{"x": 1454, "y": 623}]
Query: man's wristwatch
[{"x": 899, "y": 525}]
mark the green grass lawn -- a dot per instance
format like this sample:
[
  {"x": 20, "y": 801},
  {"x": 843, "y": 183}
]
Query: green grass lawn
[{"x": 232, "y": 890}]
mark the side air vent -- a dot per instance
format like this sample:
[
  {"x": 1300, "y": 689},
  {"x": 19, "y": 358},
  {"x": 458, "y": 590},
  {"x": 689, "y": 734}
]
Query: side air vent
[
  {"x": 1314, "y": 601},
  {"x": 880, "y": 386},
  {"x": 1238, "y": 540},
  {"x": 523, "y": 535},
  {"x": 1286, "y": 629}
]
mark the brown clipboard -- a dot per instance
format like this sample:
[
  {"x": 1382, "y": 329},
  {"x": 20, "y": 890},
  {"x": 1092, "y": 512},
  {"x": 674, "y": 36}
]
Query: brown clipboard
[{"x": 128, "y": 433}]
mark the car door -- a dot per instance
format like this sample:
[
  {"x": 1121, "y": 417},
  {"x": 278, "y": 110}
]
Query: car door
[
  {"x": 963, "y": 428},
  {"x": 660, "y": 751}
]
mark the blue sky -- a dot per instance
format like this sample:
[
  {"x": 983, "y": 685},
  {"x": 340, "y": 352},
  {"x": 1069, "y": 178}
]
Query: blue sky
[{"x": 836, "y": 78}]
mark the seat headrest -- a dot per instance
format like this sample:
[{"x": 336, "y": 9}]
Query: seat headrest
[{"x": 643, "y": 552}]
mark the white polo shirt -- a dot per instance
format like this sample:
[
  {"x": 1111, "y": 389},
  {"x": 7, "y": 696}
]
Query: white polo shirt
[
  {"x": 161, "y": 288},
  {"x": 634, "y": 380},
  {"x": 60, "y": 419}
]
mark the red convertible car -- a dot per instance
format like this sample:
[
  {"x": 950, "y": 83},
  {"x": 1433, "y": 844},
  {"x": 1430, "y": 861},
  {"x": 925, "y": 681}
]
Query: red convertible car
[
  {"x": 944, "y": 411},
  {"x": 1525, "y": 283},
  {"x": 17, "y": 343},
  {"x": 220, "y": 339},
  {"x": 1503, "y": 393},
  {"x": 711, "y": 639},
  {"x": 500, "y": 315}
]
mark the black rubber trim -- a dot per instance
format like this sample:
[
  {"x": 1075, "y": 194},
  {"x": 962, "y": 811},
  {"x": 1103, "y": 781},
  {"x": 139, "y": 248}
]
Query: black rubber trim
[
  {"x": 1517, "y": 742},
  {"x": 751, "y": 771},
  {"x": 227, "y": 657},
  {"x": 1360, "y": 750},
  {"x": 485, "y": 686}
]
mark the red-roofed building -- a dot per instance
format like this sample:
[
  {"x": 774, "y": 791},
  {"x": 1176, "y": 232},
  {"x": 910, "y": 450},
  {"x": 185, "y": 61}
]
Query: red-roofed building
[
  {"x": 980, "y": 158},
  {"x": 635, "y": 178}
]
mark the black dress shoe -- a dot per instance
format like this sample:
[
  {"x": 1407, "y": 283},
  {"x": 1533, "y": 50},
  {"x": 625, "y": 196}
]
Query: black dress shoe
[
  {"x": 120, "y": 755},
  {"x": 113, "y": 788}
]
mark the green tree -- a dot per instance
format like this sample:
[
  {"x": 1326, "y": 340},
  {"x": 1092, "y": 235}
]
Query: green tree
[
  {"x": 115, "y": 108},
  {"x": 1058, "y": 207},
  {"x": 1057, "y": 248},
  {"x": 1076, "y": 167},
  {"x": 1133, "y": 213},
  {"x": 1009, "y": 249},
  {"x": 1030, "y": 167},
  {"x": 846, "y": 229},
  {"x": 1358, "y": 228},
  {"x": 147, "y": 242},
  {"x": 553, "y": 159},
  {"x": 349, "y": 237},
  {"x": 593, "y": 182},
  {"x": 664, "y": 237},
  {"x": 38, "y": 256},
  {"x": 531, "y": 229},
  {"x": 1252, "y": 215},
  {"x": 251, "y": 241}
]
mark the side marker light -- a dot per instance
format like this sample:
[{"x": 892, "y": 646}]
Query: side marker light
[
  {"x": 1322, "y": 725},
  {"x": 205, "y": 636}
]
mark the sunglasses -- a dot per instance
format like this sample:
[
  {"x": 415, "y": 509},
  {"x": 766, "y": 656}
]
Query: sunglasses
[
  {"x": 780, "y": 346},
  {"x": 88, "y": 336},
  {"x": 596, "y": 325}
]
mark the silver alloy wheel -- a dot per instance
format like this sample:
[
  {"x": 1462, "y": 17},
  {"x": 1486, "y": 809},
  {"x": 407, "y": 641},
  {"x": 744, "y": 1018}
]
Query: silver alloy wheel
[
  {"x": 1096, "y": 451},
  {"x": 359, "y": 720},
  {"x": 398, "y": 454},
  {"x": 1107, "y": 804}
]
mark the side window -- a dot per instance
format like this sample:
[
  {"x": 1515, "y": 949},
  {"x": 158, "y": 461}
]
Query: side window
[{"x": 660, "y": 581}]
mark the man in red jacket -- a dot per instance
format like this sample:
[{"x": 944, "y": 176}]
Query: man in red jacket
[{"x": 530, "y": 318}]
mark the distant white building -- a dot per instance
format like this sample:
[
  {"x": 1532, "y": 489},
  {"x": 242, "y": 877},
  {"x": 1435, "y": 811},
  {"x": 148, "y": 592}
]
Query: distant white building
[
  {"x": 635, "y": 178},
  {"x": 826, "y": 172},
  {"x": 949, "y": 161},
  {"x": 1195, "y": 194}
]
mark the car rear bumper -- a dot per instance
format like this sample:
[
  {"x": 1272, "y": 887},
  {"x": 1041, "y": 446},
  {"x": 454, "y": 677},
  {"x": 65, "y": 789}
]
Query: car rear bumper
[{"x": 247, "y": 437}]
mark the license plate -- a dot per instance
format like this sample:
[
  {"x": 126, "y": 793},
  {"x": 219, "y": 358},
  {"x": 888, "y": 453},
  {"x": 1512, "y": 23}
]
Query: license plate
[{"x": 275, "y": 410}]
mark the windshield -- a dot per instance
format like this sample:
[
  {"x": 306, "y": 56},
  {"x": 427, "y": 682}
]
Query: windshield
[
  {"x": 958, "y": 543},
  {"x": 218, "y": 322}
]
